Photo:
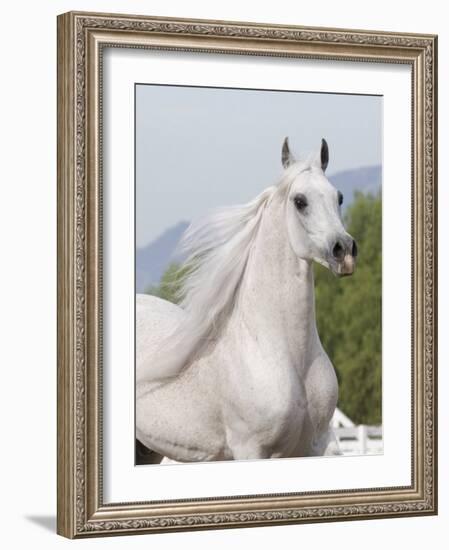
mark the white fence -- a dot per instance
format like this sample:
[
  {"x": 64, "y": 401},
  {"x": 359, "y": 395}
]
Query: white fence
[{"x": 356, "y": 440}]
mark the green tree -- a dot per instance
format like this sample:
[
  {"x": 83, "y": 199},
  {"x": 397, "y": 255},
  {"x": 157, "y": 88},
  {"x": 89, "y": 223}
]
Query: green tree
[
  {"x": 171, "y": 283},
  {"x": 349, "y": 315}
]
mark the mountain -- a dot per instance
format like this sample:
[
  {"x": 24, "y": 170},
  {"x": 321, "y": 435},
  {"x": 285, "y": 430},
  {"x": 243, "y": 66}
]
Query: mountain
[
  {"x": 153, "y": 259},
  {"x": 367, "y": 179}
]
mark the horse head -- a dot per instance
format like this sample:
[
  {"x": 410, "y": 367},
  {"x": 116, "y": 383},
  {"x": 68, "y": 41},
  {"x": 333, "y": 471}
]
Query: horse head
[{"x": 313, "y": 213}]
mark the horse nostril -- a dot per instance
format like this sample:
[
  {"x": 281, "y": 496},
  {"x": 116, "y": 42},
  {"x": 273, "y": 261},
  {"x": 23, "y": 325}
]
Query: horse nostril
[
  {"x": 338, "y": 251},
  {"x": 354, "y": 249}
]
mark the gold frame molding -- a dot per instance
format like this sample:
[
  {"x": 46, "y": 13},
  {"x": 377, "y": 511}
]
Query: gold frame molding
[{"x": 81, "y": 39}]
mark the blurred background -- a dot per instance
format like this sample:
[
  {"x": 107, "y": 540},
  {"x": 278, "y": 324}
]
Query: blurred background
[{"x": 199, "y": 148}]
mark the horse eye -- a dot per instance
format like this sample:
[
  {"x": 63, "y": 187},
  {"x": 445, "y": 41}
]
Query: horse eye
[
  {"x": 300, "y": 201},
  {"x": 340, "y": 198}
]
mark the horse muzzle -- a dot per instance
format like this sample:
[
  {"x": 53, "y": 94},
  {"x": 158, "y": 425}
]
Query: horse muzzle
[
  {"x": 346, "y": 266},
  {"x": 343, "y": 258}
]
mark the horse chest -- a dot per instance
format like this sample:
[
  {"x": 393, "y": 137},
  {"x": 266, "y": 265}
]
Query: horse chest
[
  {"x": 264, "y": 409},
  {"x": 279, "y": 407},
  {"x": 321, "y": 389}
]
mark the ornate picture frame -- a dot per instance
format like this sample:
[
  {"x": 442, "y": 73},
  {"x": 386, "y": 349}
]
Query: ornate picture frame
[{"x": 82, "y": 39}]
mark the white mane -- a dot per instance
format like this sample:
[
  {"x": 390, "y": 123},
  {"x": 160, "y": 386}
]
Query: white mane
[{"x": 217, "y": 249}]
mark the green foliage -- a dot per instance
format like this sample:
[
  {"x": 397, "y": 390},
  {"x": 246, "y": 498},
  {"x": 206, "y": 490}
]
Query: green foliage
[
  {"x": 170, "y": 286},
  {"x": 349, "y": 315}
]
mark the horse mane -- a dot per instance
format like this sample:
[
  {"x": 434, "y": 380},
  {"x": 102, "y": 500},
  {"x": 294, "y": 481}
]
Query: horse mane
[{"x": 217, "y": 248}]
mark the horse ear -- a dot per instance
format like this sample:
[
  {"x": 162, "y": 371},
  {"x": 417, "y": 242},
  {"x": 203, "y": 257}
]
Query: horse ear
[
  {"x": 324, "y": 154},
  {"x": 287, "y": 157}
]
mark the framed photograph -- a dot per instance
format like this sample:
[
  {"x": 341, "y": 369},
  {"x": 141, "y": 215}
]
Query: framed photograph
[{"x": 247, "y": 274}]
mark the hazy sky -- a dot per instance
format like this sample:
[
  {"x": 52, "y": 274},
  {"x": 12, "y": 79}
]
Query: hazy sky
[{"x": 197, "y": 148}]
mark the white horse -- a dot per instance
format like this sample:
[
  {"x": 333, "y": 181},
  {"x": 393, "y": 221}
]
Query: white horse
[{"x": 237, "y": 371}]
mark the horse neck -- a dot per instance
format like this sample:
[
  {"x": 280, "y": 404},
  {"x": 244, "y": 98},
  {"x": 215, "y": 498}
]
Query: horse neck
[{"x": 276, "y": 300}]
